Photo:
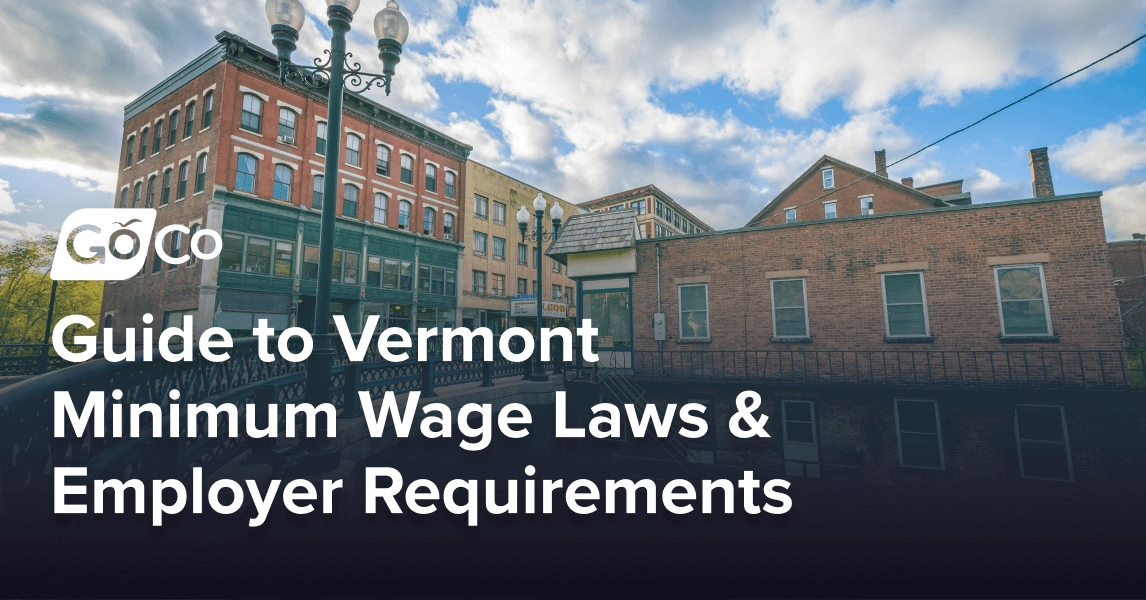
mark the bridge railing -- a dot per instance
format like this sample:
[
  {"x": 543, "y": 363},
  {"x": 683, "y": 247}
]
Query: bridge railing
[{"x": 30, "y": 359}]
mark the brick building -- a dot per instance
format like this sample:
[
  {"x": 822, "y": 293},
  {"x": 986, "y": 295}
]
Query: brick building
[
  {"x": 658, "y": 215},
  {"x": 1128, "y": 261},
  {"x": 934, "y": 347},
  {"x": 221, "y": 144}
]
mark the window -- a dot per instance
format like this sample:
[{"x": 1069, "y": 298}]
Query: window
[
  {"x": 568, "y": 294},
  {"x": 406, "y": 276},
  {"x": 499, "y": 248},
  {"x": 610, "y": 313},
  {"x": 150, "y": 191},
  {"x": 829, "y": 176},
  {"x": 283, "y": 177},
  {"x": 480, "y": 240},
  {"x": 497, "y": 285},
  {"x": 258, "y": 256},
  {"x": 350, "y": 268},
  {"x": 201, "y": 172},
  {"x": 389, "y": 273},
  {"x": 522, "y": 255},
  {"x": 448, "y": 226},
  {"x": 522, "y": 285},
  {"x": 195, "y": 227},
  {"x": 173, "y": 129},
  {"x": 353, "y": 149},
  {"x": 284, "y": 259},
  {"x": 660, "y": 231},
  {"x": 479, "y": 282},
  {"x": 554, "y": 265},
  {"x": 641, "y": 206},
  {"x": 231, "y": 258},
  {"x": 1044, "y": 449},
  {"x": 660, "y": 208},
  {"x": 252, "y": 117},
  {"x": 438, "y": 281},
  {"x": 349, "y": 201},
  {"x": 404, "y": 215},
  {"x": 310, "y": 263},
  {"x": 451, "y": 282},
  {"x": 320, "y": 139},
  {"x": 380, "y": 202},
  {"x": 676, "y": 220},
  {"x": 534, "y": 287},
  {"x": 374, "y": 271},
  {"x": 287, "y": 121},
  {"x": 866, "y": 207},
  {"x": 693, "y": 311},
  {"x": 165, "y": 196},
  {"x": 789, "y": 215},
  {"x": 536, "y": 256},
  {"x": 555, "y": 292},
  {"x": 799, "y": 418},
  {"x": 830, "y": 210},
  {"x": 184, "y": 172},
  {"x": 123, "y": 198},
  {"x": 135, "y": 198},
  {"x": 189, "y": 122},
  {"x": 428, "y": 221},
  {"x": 789, "y": 308},
  {"x": 143, "y": 143},
  {"x": 499, "y": 213},
  {"x": 245, "y": 175},
  {"x": 407, "y": 174},
  {"x": 920, "y": 440},
  {"x": 451, "y": 184},
  {"x": 431, "y": 178},
  {"x": 158, "y": 145},
  {"x": 208, "y": 108},
  {"x": 175, "y": 246},
  {"x": 1022, "y": 301},
  {"x": 905, "y": 310},
  {"x": 481, "y": 207},
  {"x": 130, "y": 151},
  {"x": 423, "y": 279},
  {"x": 156, "y": 262},
  {"x": 316, "y": 195},
  {"x": 382, "y": 165}
]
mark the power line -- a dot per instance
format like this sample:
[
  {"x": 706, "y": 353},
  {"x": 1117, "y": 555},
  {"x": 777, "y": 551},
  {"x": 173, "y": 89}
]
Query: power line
[{"x": 961, "y": 130}]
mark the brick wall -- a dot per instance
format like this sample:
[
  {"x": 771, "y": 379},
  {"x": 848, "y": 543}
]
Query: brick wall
[{"x": 1128, "y": 260}]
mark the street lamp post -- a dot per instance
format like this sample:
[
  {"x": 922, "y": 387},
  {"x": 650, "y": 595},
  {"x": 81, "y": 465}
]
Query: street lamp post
[
  {"x": 539, "y": 235},
  {"x": 337, "y": 74}
]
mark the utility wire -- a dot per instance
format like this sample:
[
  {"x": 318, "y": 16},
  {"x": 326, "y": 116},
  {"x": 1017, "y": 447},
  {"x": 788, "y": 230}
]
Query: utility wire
[{"x": 961, "y": 130}]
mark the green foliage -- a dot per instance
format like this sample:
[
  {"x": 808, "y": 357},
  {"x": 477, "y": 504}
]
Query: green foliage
[{"x": 25, "y": 290}]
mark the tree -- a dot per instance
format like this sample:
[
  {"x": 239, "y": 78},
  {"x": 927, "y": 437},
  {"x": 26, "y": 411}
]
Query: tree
[{"x": 26, "y": 288}]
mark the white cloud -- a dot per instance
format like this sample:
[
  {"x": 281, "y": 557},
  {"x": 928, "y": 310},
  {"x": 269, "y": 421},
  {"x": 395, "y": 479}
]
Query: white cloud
[
  {"x": 1109, "y": 154},
  {"x": 7, "y": 204},
  {"x": 989, "y": 187},
  {"x": 10, "y": 231},
  {"x": 1124, "y": 210},
  {"x": 529, "y": 138}
]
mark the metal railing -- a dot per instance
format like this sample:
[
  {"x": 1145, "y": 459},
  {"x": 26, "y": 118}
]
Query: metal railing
[
  {"x": 30, "y": 359},
  {"x": 1035, "y": 369}
]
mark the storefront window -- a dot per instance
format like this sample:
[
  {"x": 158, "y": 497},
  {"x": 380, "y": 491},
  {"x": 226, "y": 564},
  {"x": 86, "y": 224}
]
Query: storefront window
[{"x": 612, "y": 316}]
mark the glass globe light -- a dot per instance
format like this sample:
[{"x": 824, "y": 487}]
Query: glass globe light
[
  {"x": 539, "y": 203},
  {"x": 350, "y": 5},
  {"x": 522, "y": 216},
  {"x": 391, "y": 24},
  {"x": 556, "y": 212},
  {"x": 286, "y": 12}
]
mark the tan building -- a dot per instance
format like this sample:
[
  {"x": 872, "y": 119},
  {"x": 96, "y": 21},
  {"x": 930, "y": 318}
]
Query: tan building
[
  {"x": 499, "y": 271},
  {"x": 658, "y": 215}
]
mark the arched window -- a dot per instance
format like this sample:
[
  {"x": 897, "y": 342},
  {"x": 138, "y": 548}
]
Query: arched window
[
  {"x": 195, "y": 227},
  {"x": 287, "y": 120},
  {"x": 448, "y": 226},
  {"x": 130, "y": 151},
  {"x": 208, "y": 108},
  {"x": 107, "y": 321},
  {"x": 143, "y": 143},
  {"x": 166, "y": 195},
  {"x": 201, "y": 173},
  {"x": 431, "y": 178},
  {"x": 451, "y": 184},
  {"x": 319, "y": 186},
  {"x": 320, "y": 139},
  {"x": 173, "y": 129},
  {"x": 353, "y": 149},
  {"x": 158, "y": 137},
  {"x": 245, "y": 174},
  {"x": 137, "y": 196},
  {"x": 380, "y": 201},
  {"x": 428, "y": 221},
  {"x": 123, "y": 198},
  {"x": 189, "y": 122},
  {"x": 407, "y": 174},
  {"x": 150, "y": 192},
  {"x": 181, "y": 188},
  {"x": 383, "y": 165},
  {"x": 350, "y": 201},
  {"x": 252, "y": 118},
  {"x": 283, "y": 177},
  {"x": 404, "y": 215}
]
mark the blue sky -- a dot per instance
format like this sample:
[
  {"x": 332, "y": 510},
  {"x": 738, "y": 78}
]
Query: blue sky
[{"x": 718, "y": 104}]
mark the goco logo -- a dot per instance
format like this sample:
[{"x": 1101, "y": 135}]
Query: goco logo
[{"x": 111, "y": 244}]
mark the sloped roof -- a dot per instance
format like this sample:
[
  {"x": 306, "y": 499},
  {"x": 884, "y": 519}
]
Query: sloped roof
[{"x": 592, "y": 232}]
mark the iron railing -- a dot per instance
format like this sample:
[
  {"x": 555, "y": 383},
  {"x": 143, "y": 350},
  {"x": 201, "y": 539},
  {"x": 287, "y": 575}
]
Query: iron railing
[
  {"x": 30, "y": 359},
  {"x": 1032, "y": 369}
]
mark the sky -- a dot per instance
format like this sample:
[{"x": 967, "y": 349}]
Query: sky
[{"x": 719, "y": 104}]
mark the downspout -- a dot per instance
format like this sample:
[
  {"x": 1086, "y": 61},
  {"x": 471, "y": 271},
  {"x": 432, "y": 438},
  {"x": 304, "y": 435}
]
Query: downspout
[{"x": 660, "y": 343}]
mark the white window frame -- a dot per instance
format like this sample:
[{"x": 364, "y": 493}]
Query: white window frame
[
  {"x": 807, "y": 323},
  {"x": 923, "y": 294},
  {"x": 870, "y": 210},
  {"x": 680, "y": 312},
  {"x": 789, "y": 215},
  {"x": 835, "y": 212},
  {"x": 784, "y": 421},
  {"x": 938, "y": 433},
  {"x": 1065, "y": 442},
  {"x": 829, "y": 172},
  {"x": 1046, "y": 303}
]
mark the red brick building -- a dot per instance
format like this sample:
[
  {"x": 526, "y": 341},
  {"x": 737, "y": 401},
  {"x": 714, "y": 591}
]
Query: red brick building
[
  {"x": 658, "y": 215},
  {"x": 1128, "y": 260}
]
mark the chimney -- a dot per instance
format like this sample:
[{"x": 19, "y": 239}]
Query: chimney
[
  {"x": 909, "y": 182},
  {"x": 1138, "y": 236},
  {"x": 881, "y": 163},
  {"x": 1041, "y": 183}
]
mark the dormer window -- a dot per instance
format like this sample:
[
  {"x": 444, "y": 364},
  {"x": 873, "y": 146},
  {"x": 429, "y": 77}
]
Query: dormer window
[{"x": 829, "y": 176}]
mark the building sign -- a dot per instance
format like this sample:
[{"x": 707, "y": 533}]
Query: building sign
[{"x": 528, "y": 308}]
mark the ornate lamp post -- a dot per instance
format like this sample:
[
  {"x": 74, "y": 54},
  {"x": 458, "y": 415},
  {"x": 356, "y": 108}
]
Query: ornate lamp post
[
  {"x": 336, "y": 73},
  {"x": 539, "y": 235}
]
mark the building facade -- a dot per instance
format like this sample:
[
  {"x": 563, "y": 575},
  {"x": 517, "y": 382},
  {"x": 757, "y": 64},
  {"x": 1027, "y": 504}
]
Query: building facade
[
  {"x": 1128, "y": 260},
  {"x": 658, "y": 215},
  {"x": 499, "y": 271},
  {"x": 223, "y": 145}
]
